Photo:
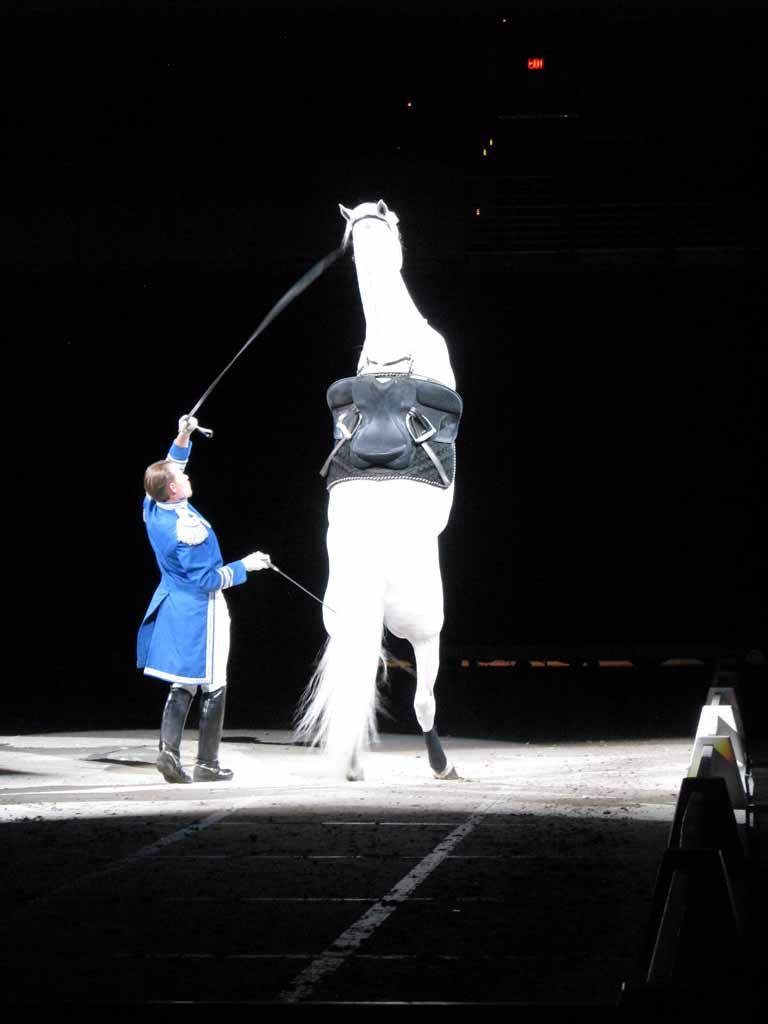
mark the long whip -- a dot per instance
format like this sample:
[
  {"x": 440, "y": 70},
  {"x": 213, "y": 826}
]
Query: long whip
[{"x": 311, "y": 275}]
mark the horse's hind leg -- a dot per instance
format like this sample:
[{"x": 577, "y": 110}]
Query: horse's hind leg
[
  {"x": 427, "y": 654},
  {"x": 354, "y": 772}
]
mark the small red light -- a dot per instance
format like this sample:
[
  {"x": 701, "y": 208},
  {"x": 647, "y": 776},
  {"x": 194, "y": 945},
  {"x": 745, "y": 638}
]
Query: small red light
[{"x": 535, "y": 63}]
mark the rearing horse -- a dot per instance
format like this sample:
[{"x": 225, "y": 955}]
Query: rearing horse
[{"x": 390, "y": 479}]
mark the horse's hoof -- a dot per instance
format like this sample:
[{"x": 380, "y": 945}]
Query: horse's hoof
[
  {"x": 357, "y": 776},
  {"x": 449, "y": 772}
]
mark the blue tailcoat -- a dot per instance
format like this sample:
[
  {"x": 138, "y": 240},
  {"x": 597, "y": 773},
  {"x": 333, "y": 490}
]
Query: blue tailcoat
[{"x": 176, "y": 636}]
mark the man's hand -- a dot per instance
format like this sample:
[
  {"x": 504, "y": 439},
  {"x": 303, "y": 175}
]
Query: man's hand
[
  {"x": 187, "y": 425},
  {"x": 257, "y": 560}
]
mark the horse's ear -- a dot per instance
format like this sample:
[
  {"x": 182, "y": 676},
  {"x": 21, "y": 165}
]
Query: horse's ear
[
  {"x": 381, "y": 208},
  {"x": 345, "y": 213}
]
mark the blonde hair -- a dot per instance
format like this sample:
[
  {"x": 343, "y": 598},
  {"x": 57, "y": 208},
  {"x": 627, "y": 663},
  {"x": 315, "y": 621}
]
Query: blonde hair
[{"x": 156, "y": 479}]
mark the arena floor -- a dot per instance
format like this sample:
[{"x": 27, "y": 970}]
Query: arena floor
[{"x": 528, "y": 882}]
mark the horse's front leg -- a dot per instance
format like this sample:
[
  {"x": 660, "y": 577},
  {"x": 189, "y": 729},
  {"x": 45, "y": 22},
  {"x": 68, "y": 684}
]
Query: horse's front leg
[{"x": 427, "y": 653}]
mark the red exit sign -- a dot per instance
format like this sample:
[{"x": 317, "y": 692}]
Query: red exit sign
[{"x": 535, "y": 63}]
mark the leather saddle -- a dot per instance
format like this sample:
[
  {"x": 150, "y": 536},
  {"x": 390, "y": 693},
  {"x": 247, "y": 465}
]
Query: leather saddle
[{"x": 383, "y": 417}]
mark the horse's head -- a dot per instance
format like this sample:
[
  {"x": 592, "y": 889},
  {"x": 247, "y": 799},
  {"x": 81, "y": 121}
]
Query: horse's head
[{"x": 373, "y": 229}]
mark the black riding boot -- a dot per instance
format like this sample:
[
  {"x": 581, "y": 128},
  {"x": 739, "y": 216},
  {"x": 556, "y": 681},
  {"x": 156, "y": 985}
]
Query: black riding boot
[
  {"x": 207, "y": 768},
  {"x": 171, "y": 729}
]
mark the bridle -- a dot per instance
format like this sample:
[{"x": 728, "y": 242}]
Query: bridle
[
  {"x": 351, "y": 224},
  {"x": 370, "y": 216}
]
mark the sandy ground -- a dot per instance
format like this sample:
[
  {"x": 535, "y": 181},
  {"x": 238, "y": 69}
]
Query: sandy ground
[{"x": 528, "y": 882}]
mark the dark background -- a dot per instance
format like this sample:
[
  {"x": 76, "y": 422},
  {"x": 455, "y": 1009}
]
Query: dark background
[{"x": 171, "y": 169}]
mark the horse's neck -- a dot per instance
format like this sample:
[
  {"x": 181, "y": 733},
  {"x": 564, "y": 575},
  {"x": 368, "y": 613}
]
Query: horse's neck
[
  {"x": 387, "y": 303},
  {"x": 395, "y": 329}
]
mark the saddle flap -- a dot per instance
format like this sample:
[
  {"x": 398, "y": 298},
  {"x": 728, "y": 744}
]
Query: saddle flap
[
  {"x": 340, "y": 401},
  {"x": 442, "y": 406}
]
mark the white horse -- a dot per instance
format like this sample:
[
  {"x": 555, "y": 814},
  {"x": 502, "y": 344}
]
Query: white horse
[{"x": 383, "y": 521}]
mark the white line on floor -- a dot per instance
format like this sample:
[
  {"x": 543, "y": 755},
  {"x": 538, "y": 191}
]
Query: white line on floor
[
  {"x": 352, "y": 938},
  {"x": 219, "y": 901},
  {"x": 118, "y": 865}
]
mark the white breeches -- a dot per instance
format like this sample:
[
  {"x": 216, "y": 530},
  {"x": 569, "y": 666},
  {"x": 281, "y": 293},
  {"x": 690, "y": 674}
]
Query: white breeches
[{"x": 220, "y": 640}]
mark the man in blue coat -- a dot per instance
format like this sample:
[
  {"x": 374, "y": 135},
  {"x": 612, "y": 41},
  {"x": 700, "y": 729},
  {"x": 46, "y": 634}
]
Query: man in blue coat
[{"x": 184, "y": 636}]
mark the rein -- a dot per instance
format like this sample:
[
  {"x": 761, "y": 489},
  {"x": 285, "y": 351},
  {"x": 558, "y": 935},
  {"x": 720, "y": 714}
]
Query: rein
[{"x": 311, "y": 275}]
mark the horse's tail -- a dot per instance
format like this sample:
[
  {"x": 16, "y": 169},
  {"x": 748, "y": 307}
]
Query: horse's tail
[{"x": 338, "y": 708}]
